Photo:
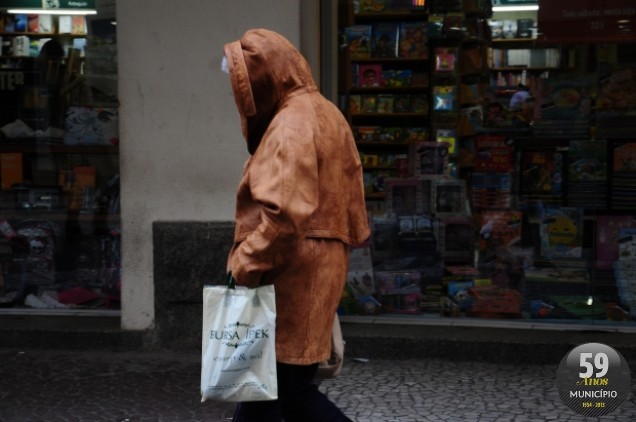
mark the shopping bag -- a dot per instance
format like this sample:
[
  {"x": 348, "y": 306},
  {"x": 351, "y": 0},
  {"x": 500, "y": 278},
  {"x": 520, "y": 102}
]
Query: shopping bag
[
  {"x": 238, "y": 361},
  {"x": 332, "y": 367}
]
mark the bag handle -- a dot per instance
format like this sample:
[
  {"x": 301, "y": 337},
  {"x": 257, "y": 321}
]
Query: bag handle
[{"x": 229, "y": 280}]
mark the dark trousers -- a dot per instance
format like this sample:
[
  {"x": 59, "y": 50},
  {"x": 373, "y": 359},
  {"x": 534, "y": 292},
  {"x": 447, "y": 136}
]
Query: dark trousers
[{"x": 299, "y": 400}]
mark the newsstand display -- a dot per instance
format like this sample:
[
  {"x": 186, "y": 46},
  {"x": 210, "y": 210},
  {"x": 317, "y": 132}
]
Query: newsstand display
[{"x": 515, "y": 201}]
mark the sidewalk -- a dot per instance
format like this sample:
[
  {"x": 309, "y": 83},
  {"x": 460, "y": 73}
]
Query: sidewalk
[{"x": 90, "y": 386}]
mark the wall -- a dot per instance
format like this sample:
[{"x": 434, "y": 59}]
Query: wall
[{"x": 181, "y": 150}]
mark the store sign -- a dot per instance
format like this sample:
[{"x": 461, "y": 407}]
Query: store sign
[
  {"x": 47, "y": 4},
  {"x": 584, "y": 21}
]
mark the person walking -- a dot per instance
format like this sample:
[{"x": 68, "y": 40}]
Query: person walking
[{"x": 299, "y": 206}]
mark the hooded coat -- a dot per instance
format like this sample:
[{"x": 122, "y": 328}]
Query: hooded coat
[{"x": 300, "y": 202}]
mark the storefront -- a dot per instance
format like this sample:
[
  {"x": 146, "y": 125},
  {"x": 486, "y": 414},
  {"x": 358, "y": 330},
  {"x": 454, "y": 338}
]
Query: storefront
[
  {"x": 484, "y": 213},
  {"x": 59, "y": 140},
  {"x": 497, "y": 149}
]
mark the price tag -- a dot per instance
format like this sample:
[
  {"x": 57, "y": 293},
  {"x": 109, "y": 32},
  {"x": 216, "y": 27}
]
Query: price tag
[{"x": 593, "y": 379}]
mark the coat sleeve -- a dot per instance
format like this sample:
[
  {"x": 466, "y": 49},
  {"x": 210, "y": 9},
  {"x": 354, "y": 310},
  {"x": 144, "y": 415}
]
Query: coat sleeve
[{"x": 283, "y": 179}]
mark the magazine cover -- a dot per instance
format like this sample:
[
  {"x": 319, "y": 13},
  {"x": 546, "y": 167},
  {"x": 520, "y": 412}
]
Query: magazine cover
[{"x": 562, "y": 232}]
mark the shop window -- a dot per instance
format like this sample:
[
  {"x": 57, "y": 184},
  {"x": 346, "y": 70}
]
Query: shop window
[
  {"x": 512, "y": 192},
  {"x": 59, "y": 174}
]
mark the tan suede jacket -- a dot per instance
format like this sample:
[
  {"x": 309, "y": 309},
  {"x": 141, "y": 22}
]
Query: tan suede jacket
[
  {"x": 300, "y": 202},
  {"x": 304, "y": 178}
]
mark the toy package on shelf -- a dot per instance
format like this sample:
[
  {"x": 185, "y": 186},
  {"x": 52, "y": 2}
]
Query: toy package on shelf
[
  {"x": 384, "y": 238},
  {"x": 428, "y": 159},
  {"x": 403, "y": 196},
  {"x": 494, "y": 302},
  {"x": 399, "y": 291},
  {"x": 448, "y": 197}
]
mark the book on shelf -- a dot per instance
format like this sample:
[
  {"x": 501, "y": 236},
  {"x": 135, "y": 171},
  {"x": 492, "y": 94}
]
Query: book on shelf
[
  {"x": 369, "y": 75},
  {"x": 385, "y": 40},
  {"x": 358, "y": 39},
  {"x": 412, "y": 40},
  {"x": 64, "y": 24},
  {"x": 78, "y": 24}
]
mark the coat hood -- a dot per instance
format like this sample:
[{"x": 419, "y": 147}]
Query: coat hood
[{"x": 265, "y": 69}]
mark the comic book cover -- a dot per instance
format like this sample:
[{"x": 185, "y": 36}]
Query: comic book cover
[{"x": 562, "y": 232}]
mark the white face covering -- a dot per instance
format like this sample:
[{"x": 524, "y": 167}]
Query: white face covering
[{"x": 224, "y": 66}]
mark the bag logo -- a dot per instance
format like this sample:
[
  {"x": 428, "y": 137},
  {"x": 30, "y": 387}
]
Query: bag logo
[{"x": 238, "y": 334}]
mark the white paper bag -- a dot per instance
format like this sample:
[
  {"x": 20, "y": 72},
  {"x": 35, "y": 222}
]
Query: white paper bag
[{"x": 238, "y": 361}]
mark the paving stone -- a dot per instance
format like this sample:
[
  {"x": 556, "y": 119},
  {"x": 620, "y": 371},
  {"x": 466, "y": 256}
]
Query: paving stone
[{"x": 89, "y": 386}]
